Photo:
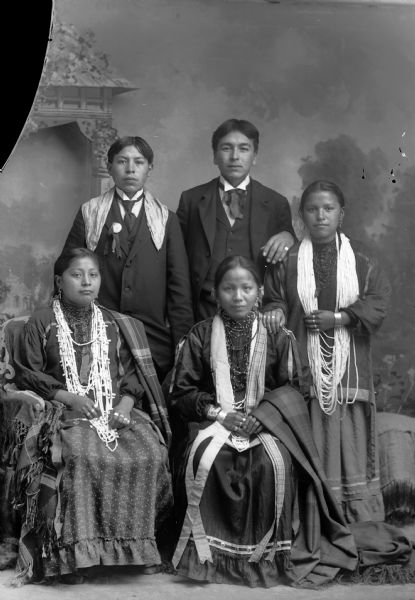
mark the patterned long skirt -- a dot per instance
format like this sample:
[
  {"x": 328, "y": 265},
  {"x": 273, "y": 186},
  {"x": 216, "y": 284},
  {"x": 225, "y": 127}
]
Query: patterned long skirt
[{"x": 110, "y": 503}]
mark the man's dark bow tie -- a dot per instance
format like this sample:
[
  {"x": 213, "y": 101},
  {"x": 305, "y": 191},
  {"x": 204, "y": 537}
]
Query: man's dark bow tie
[
  {"x": 235, "y": 198},
  {"x": 129, "y": 217}
]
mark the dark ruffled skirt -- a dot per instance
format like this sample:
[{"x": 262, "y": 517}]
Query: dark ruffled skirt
[
  {"x": 237, "y": 509},
  {"x": 347, "y": 444}
]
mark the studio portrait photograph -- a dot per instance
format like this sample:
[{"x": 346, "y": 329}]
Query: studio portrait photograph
[{"x": 207, "y": 301}]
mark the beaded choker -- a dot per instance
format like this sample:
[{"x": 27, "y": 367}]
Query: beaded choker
[
  {"x": 79, "y": 319},
  {"x": 324, "y": 264}
]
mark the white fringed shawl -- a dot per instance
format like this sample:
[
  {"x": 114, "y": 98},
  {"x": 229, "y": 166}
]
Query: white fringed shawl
[{"x": 96, "y": 210}]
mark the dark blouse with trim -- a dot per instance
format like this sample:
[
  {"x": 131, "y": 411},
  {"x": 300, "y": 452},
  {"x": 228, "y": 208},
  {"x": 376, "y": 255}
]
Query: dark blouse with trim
[
  {"x": 366, "y": 313},
  {"x": 193, "y": 388},
  {"x": 39, "y": 368}
]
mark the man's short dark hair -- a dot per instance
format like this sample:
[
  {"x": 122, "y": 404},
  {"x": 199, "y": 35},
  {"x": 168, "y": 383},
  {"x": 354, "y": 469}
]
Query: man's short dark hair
[
  {"x": 240, "y": 125},
  {"x": 131, "y": 140}
]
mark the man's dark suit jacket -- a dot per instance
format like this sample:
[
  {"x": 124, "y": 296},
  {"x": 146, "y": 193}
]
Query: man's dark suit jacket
[
  {"x": 148, "y": 284},
  {"x": 269, "y": 214}
]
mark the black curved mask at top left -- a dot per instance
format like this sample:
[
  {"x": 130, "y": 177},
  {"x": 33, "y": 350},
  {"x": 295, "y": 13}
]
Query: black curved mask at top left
[{"x": 26, "y": 30}]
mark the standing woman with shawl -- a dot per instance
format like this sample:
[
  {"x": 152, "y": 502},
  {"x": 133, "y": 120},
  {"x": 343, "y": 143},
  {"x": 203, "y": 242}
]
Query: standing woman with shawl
[
  {"x": 333, "y": 295},
  {"x": 95, "y": 483}
]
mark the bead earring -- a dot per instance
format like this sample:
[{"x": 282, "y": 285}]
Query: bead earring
[
  {"x": 341, "y": 217},
  {"x": 258, "y": 301}
]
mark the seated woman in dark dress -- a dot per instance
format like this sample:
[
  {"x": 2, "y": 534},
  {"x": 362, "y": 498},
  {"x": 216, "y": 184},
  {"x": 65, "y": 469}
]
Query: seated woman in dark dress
[
  {"x": 96, "y": 482},
  {"x": 235, "y": 481}
]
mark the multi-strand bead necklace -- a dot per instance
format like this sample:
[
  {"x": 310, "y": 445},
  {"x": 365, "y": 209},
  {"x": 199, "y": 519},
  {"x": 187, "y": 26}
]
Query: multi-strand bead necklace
[
  {"x": 99, "y": 379},
  {"x": 238, "y": 335}
]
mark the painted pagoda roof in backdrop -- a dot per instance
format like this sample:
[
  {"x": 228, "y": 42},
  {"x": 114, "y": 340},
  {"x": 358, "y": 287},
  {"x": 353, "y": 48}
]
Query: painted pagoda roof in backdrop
[{"x": 72, "y": 60}]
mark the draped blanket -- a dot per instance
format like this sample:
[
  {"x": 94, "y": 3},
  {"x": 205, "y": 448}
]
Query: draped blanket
[
  {"x": 135, "y": 336},
  {"x": 323, "y": 544}
]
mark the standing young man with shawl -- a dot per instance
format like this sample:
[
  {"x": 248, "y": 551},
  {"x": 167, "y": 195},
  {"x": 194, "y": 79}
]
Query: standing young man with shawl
[
  {"x": 144, "y": 267},
  {"x": 333, "y": 295}
]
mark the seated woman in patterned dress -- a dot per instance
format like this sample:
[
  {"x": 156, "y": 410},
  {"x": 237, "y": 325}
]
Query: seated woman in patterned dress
[
  {"x": 243, "y": 518},
  {"x": 95, "y": 483}
]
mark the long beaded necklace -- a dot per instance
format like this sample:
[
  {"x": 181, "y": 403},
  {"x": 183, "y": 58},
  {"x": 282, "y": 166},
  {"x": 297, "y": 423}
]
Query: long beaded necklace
[
  {"x": 329, "y": 358},
  {"x": 99, "y": 378},
  {"x": 238, "y": 335}
]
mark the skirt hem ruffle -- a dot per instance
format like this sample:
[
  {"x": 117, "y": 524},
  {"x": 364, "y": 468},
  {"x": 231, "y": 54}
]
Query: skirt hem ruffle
[
  {"x": 233, "y": 569},
  {"x": 89, "y": 553}
]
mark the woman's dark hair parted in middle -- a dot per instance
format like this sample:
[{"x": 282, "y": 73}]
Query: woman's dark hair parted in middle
[
  {"x": 68, "y": 256},
  {"x": 322, "y": 185},
  {"x": 232, "y": 262}
]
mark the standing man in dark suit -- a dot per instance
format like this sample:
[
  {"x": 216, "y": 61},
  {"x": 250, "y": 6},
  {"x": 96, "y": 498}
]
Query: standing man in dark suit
[
  {"x": 232, "y": 214},
  {"x": 144, "y": 265}
]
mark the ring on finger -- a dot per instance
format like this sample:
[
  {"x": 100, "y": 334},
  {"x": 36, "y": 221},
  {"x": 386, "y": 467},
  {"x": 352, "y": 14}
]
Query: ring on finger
[{"x": 286, "y": 248}]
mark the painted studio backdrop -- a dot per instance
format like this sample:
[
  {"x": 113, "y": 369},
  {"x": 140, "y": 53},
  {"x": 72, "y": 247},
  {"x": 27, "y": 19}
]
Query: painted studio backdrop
[{"x": 331, "y": 89}]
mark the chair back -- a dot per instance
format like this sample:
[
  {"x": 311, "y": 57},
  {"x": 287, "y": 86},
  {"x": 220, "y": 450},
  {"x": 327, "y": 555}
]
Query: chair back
[{"x": 10, "y": 332}]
